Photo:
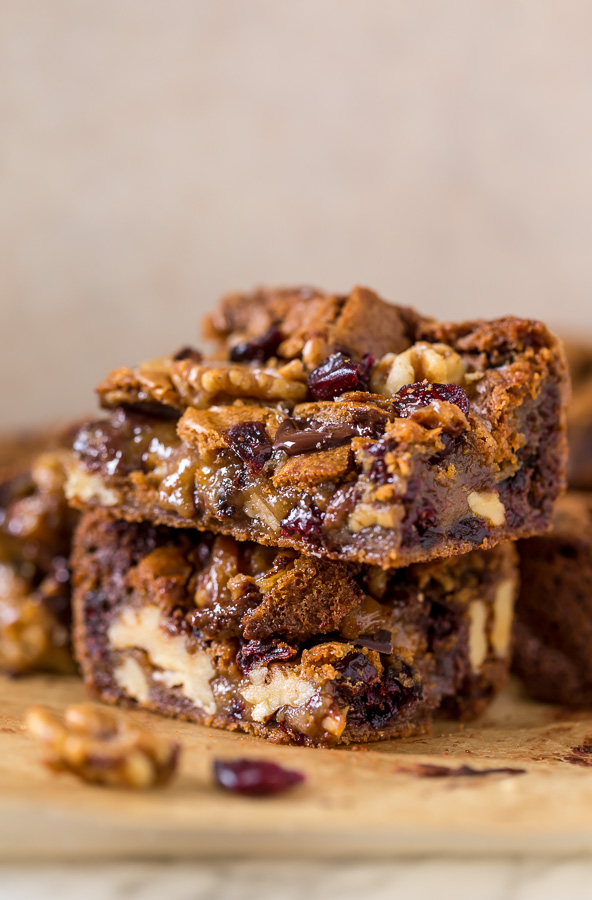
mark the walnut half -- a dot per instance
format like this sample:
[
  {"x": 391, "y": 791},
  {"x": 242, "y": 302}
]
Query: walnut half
[{"x": 102, "y": 748}]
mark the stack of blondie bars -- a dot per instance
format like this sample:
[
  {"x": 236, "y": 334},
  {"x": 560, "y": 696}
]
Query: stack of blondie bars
[{"x": 310, "y": 534}]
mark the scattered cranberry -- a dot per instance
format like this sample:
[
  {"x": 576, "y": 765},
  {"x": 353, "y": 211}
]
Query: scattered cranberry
[
  {"x": 253, "y": 777},
  {"x": 249, "y": 440},
  {"x": 415, "y": 396},
  {"x": 303, "y": 521},
  {"x": 257, "y": 653},
  {"x": 339, "y": 374},
  {"x": 258, "y": 349}
]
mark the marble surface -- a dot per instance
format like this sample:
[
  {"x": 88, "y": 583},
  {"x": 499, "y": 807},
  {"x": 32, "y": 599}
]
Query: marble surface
[{"x": 421, "y": 879}]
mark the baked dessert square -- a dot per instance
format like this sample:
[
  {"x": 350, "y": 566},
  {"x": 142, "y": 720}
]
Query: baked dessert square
[
  {"x": 553, "y": 629},
  {"x": 289, "y": 647},
  {"x": 345, "y": 427},
  {"x": 36, "y": 527},
  {"x": 579, "y": 415}
]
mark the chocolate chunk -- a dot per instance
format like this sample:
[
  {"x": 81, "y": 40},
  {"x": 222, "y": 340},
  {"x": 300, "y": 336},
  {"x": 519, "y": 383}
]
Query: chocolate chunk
[{"x": 381, "y": 641}]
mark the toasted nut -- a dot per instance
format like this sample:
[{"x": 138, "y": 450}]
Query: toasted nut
[
  {"x": 102, "y": 748},
  {"x": 31, "y": 638},
  {"x": 488, "y": 505},
  {"x": 503, "y": 611},
  {"x": 245, "y": 381},
  {"x": 365, "y": 515},
  {"x": 436, "y": 363},
  {"x": 477, "y": 634}
]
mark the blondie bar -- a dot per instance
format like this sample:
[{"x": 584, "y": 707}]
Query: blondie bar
[
  {"x": 36, "y": 528},
  {"x": 348, "y": 428},
  {"x": 553, "y": 630},
  {"x": 288, "y": 647}
]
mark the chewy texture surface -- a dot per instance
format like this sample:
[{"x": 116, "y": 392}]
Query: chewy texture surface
[
  {"x": 579, "y": 416},
  {"x": 292, "y": 648},
  {"x": 553, "y": 629},
  {"x": 36, "y": 528},
  {"x": 339, "y": 426}
]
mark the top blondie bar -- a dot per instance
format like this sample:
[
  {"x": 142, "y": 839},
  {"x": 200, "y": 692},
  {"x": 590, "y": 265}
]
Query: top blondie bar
[{"x": 342, "y": 426}]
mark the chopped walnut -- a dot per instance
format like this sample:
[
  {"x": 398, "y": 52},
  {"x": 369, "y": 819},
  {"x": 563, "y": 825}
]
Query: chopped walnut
[
  {"x": 184, "y": 382},
  {"x": 102, "y": 748},
  {"x": 488, "y": 505},
  {"x": 31, "y": 638},
  {"x": 436, "y": 363}
]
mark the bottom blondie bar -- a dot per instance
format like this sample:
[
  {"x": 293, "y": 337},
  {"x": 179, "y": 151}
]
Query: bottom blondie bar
[
  {"x": 292, "y": 648},
  {"x": 553, "y": 629}
]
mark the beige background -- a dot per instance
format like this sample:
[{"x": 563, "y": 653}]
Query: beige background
[{"x": 156, "y": 153}]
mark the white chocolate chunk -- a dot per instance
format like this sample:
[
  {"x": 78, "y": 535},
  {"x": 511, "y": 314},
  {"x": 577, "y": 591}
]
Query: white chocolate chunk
[
  {"x": 503, "y": 611},
  {"x": 477, "y": 634},
  {"x": 488, "y": 505},
  {"x": 188, "y": 672},
  {"x": 270, "y": 689}
]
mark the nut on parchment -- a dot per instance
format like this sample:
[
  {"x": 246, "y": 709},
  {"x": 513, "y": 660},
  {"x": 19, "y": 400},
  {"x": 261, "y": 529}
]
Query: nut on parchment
[{"x": 101, "y": 747}]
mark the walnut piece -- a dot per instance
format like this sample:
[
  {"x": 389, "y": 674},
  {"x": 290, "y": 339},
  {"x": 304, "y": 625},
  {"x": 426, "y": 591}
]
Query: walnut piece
[
  {"x": 436, "y": 363},
  {"x": 477, "y": 634},
  {"x": 487, "y": 505},
  {"x": 31, "y": 638},
  {"x": 102, "y": 748}
]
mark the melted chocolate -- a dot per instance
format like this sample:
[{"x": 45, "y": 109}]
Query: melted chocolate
[{"x": 294, "y": 439}]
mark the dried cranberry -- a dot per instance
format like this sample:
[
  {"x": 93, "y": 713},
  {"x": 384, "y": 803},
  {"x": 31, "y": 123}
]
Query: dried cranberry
[
  {"x": 471, "y": 528},
  {"x": 303, "y": 521},
  {"x": 257, "y": 653},
  {"x": 188, "y": 353},
  {"x": 357, "y": 668},
  {"x": 254, "y": 777},
  {"x": 372, "y": 698},
  {"x": 379, "y": 473},
  {"x": 383, "y": 700},
  {"x": 338, "y": 374},
  {"x": 415, "y": 396},
  {"x": 258, "y": 349},
  {"x": 421, "y": 522},
  {"x": 249, "y": 440}
]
